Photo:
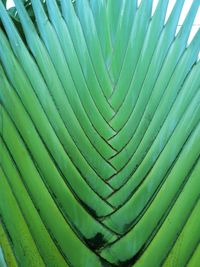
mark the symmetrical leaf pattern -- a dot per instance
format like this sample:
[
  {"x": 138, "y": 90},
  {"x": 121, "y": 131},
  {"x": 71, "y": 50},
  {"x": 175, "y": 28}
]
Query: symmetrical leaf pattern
[{"x": 100, "y": 135}]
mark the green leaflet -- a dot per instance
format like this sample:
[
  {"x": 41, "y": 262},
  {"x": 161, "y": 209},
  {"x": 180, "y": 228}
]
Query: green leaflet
[
  {"x": 23, "y": 244},
  {"x": 187, "y": 241},
  {"x": 194, "y": 260},
  {"x": 46, "y": 246},
  {"x": 7, "y": 256}
]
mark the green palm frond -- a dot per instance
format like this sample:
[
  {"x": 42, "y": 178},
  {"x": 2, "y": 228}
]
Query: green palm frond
[{"x": 100, "y": 134}]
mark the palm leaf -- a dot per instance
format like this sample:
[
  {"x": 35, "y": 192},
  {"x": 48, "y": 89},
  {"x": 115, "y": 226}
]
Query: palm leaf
[{"x": 100, "y": 134}]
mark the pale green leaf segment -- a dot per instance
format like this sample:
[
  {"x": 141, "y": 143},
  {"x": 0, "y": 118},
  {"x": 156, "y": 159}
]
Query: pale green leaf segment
[
  {"x": 7, "y": 256},
  {"x": 99, "y": 135}
]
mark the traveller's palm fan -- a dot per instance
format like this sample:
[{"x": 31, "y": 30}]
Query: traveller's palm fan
[{"x": 100, "y": 134}]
